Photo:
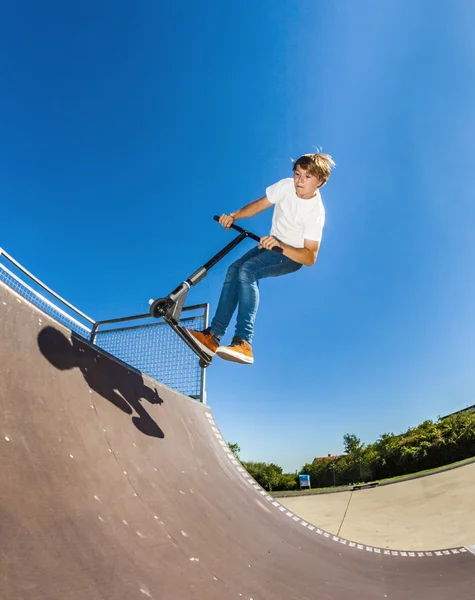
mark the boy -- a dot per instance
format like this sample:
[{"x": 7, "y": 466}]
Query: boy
[{"x": 297, "y": 225}]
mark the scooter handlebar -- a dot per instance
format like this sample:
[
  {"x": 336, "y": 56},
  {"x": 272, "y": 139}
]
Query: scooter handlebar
[{"x": 253, "y": 236}]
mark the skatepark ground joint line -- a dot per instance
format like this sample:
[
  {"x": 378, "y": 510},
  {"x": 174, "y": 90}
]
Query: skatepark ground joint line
[{"x": 344, "y": 516}]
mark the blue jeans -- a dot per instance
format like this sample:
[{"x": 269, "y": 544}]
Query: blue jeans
[{"x": 241, "y": 289}]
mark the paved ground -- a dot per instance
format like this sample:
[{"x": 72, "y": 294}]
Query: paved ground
[{"x": 427, "y": 513}]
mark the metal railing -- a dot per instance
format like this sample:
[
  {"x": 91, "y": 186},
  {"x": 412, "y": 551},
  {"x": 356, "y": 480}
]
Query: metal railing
[
  {"x": 29, "y": 293},
  {"x": 44, "y": 286},
  {"x": 150, "y": 347}
]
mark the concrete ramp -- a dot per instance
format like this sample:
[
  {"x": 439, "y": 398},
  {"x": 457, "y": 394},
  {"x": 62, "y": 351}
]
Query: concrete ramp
[{"x": 116, "y": 488}]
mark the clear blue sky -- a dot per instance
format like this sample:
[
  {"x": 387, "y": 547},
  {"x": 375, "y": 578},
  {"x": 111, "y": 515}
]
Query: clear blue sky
[{"x": 125, "y": 126}]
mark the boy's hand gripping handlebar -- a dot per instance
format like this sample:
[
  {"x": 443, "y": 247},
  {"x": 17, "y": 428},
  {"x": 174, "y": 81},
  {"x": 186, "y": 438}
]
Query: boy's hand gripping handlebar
[{"x": 251, "y": 235}]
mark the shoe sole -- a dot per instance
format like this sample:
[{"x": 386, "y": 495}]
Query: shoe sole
[
  {"x": 201, "y": 346},
  {"x": 233, "y": 356}
]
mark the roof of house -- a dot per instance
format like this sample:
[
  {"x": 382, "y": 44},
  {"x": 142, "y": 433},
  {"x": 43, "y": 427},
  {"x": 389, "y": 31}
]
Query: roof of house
[{"x": 329, "y": 457}]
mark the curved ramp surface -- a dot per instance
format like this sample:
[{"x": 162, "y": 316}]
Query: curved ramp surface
[{"x": 114, "y": 487}]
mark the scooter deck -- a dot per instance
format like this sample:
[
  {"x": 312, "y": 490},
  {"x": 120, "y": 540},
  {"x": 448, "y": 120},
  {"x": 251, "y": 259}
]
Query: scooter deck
[{"x": 205, "y": 359}]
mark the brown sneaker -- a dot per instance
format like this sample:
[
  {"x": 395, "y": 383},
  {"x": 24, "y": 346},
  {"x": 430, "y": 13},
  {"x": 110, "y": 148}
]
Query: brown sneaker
[
  {"x": 205, "y": 340},
  {"x": 238, "y": 351}
]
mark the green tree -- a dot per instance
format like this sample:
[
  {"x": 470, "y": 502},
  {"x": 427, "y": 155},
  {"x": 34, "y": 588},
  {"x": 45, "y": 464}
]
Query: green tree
[
  {"x": 268, "y": 475},
  {"x": 323, "y": 473},
  {"x": 351, "y": 443},
  {"x": 235, "y": 449},
  {"x": 288, "y": 481}
]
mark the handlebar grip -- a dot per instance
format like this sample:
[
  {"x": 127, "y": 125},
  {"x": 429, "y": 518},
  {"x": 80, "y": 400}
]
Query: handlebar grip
[
  {"x": 253, "y": 236},
  {"x": 216, "y": 218}
]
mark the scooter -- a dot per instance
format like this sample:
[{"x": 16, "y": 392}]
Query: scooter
[{"x": 169, "y": 308}]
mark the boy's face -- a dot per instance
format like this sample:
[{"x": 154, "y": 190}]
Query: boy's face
[{"x": 305, "y": 183}]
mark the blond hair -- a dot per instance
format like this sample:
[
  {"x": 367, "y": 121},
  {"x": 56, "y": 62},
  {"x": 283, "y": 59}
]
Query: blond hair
[{"x": 318, "y": 164}]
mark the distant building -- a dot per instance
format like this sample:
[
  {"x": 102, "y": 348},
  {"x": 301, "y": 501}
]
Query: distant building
[
  {"x": 463, "y": 410},
  {"x": 329, "y": 457}
]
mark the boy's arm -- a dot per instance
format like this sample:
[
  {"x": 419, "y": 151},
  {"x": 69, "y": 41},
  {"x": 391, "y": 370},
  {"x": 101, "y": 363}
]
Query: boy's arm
[
  {"x": 250, "y": 210},
  {"x": 305, "y": 256}
]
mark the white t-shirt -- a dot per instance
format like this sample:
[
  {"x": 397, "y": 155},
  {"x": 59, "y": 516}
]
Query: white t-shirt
[{"x": 295, "y": 219}]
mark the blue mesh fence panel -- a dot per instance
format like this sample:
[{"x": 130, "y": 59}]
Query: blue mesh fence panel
[
  {"x": 156, "y": 350},
  {"x": 41, "y": 302}
]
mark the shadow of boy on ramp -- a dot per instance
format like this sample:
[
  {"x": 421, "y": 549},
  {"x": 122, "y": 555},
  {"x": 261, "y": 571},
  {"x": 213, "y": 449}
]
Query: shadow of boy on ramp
[{"x": 113, "y": 381}]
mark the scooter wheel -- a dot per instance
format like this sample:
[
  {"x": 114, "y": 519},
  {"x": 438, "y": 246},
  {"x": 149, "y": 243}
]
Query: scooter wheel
[
  {"x": 157, "y": 307},
  {"x": 204, "y": 363}
]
